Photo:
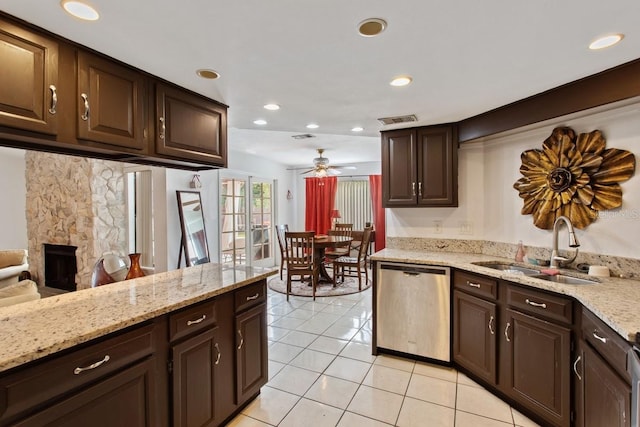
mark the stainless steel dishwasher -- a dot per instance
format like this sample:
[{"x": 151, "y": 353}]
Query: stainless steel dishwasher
[{"x": 413, "y": 305}]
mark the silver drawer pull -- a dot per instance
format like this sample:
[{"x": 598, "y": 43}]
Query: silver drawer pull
[
  {"x": 54, "y": 99},
  {"x": 195, "y": 322},
  {"x": 85, "y": 115},
  {"x": 506, "y": 331},
  {"x": 491, "y": 326},
  {"x": 473, "y": 285},
  {"x": 598, "y": 337},
  {"x": 92, "y": 366},
  {"x": 535, "y": 304},
  {"x": 218, "y": 356},
  {"x": 253, "y": 297}
]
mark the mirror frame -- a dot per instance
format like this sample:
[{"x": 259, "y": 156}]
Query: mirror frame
[{"x": 183, "y": 227}]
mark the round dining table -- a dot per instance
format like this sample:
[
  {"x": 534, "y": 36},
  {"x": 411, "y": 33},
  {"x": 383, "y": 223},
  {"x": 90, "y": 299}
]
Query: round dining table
[{"x": 320, "y": 244}]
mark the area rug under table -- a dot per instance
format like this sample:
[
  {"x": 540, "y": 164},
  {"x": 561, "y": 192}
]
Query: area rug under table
[{"x": 350, "y": 286}]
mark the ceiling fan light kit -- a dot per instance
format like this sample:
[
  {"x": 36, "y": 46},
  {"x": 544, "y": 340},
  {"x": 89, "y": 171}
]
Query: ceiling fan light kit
[{"x": 321, "y": 167}]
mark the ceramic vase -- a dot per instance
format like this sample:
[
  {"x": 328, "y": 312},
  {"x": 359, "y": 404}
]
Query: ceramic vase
[{"x": 135, "y": 270}]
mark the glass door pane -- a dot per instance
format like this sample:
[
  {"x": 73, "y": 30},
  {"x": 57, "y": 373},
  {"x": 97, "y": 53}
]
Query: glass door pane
[
  {"x": 262, "y": 243},
  {"x": 233, "y": 214}
]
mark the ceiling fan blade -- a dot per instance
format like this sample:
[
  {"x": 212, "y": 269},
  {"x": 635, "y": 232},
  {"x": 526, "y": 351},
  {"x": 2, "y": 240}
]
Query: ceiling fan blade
[
  {"x": 342, "y": 167},
  {"x": 310, "y": 170}
]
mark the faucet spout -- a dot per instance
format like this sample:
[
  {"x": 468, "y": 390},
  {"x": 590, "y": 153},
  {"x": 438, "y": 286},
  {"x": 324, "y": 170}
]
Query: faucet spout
[{"x": 573, "y": 241}]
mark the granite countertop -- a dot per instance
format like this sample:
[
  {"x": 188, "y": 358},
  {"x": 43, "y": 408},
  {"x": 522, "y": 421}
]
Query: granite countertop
[
  {"x": 614, "y": 300},
  {"x": 35, "y": 329}
]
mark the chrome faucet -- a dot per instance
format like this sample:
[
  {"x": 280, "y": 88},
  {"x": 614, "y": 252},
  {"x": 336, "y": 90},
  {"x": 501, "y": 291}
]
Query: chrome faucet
[{"x": 557, "y": 260}]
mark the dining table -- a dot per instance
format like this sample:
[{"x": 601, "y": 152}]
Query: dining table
[{"x": 320, "y": 244}]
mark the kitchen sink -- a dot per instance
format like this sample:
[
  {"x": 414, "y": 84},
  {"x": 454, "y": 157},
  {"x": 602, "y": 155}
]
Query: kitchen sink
[
  {"x": 567, "y": 280},
  {"x": 508, "y": 268}
]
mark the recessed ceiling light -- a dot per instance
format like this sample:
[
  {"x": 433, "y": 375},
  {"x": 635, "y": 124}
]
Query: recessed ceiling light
[
  {"x": 260, "y": 122},
  {"x": 207, "y": 73},
  {"x": 357, "y": 129},
  {"x": 272, "y": 107},
  {"x": 372, "y": 27},
  {"x": 312, "y": 126},
  {"x": 606, "y": 41},
  {"x": 401, "y": 81},
  {"x": 80, "y": 10}
]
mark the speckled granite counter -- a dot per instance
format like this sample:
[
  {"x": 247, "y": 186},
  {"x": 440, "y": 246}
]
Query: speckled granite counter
[
  {"x": 614, "y": 300},
  {"x": 35, "y": 329}
]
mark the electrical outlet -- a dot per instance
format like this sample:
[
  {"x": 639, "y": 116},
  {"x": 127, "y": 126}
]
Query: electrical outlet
[
  {"x": 466, "y": 227},
  {"x": 437, "y": 226}
]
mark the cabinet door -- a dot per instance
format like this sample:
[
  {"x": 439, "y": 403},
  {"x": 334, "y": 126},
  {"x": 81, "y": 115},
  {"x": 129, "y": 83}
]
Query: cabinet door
[
  {"x": 194, "y": 362},
  {"x": 124, "y": 399},
  {"x": 399, "y": 173},
  {"x": 538, "y": 366},
  {"x": 29, "y": 70},
  {"x": 437, "y": 166},
  {"x": 601, "y": 396},
  {"x": 190, "y": 127},
  {"x": 251, "y": 354},
  {"x": 474, "y": 335},
  {"x": 111, "y": 103}
]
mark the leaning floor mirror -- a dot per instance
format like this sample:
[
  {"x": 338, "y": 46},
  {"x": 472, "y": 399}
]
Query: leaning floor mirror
[{"x": 194, "y": 236}]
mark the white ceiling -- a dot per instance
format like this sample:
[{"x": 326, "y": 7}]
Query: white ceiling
[{"x": 465, "y": 56}]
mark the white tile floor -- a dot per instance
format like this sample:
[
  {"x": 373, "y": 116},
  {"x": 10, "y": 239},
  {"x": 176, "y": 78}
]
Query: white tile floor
[{"x": 322, "y": 373}]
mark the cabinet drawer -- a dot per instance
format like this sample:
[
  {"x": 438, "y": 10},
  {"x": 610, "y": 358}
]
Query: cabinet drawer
[
  {"x": 250, "y": 296},
  {"x": 26, "y": 389},
  {"x": 540, "y": 304},
  {"x": 192, "y": 319},
  {"x": 482, "y": 286},
  {"x": 612, "y": 347}
]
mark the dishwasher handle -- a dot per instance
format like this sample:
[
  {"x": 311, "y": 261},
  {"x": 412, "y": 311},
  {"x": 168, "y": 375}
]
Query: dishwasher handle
[{"x": 414, "y": 270}]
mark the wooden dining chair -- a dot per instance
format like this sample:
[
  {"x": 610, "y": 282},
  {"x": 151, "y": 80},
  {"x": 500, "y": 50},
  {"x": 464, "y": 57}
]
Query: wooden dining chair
[
  {"x": 280, "y": 231},
  {"x": 358, "y": 263},
  {"x": 331, "y": 254},
  {"x": 300, "y": 258}
]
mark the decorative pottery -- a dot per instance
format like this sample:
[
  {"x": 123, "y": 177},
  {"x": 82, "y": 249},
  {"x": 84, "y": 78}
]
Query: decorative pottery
[{"x": 135, "y": 270}]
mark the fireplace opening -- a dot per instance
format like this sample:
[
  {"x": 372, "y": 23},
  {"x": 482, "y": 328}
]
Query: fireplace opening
[{"x": 60, "y": 266}]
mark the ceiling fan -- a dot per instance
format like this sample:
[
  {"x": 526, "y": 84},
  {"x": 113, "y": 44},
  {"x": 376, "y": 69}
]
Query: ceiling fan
[{"x": 321, "y": 166}]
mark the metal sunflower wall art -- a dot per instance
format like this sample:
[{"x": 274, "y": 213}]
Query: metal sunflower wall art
[{"x": 572, "y": 176}]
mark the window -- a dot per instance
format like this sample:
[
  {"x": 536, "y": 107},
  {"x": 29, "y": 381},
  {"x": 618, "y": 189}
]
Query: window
[
  {"x": 140, "y": 238},
  {"x": 353, "y": 201},
  {"x": 233, "y": 215},
  {"x": 261, "y": 222}
]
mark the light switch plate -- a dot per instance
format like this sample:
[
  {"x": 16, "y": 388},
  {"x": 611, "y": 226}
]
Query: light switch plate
[{"x": 466, "y": 227}]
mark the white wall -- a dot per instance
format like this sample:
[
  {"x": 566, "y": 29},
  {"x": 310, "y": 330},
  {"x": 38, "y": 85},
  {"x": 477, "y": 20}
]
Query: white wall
[
  {"x": 12, "y": 187},
  {"x": 489, "y": 168}
]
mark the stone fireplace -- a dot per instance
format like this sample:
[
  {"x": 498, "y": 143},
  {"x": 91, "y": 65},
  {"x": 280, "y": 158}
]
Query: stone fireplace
[{"x": 74, "y": 201}]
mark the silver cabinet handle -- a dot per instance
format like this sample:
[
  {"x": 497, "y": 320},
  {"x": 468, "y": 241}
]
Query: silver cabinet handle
[
  {"x": 92, "y": 366},
  {"x": 535, "y": 304},
  {"x": 575, "y": 367},
  {"x": 163, "y": 128},
  {"x": 218, "y": 356},
  {"x": 85, "y": 115},
  {"x": 598, "y": 337},
  {"x": 420, "y": 188},
  {"x": 413, "y": 188},
  {"x": 194, "y": 322},
  {"x": 54, "y": 99},
  {"x": 491, "y": 325},
  {"x": 473, "y": 285},
  {"x": 506, "y": 332},
  {"x": 241, "y": 339},
  {"x": 253, "y": 297}
]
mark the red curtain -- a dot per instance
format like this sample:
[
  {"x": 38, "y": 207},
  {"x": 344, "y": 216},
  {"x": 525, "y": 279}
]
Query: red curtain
[
  {"x": 375, "y": 184},
  {"x": 320, "y": 198}
]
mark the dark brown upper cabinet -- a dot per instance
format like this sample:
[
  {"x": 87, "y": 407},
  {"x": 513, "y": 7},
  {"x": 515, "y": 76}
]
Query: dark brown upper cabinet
[
  {"x": 420, "y": 167},
  {"x": 111, "y": 103},
  {"x": 190, "y": 127},
  {"x": 29, "y": 69}
]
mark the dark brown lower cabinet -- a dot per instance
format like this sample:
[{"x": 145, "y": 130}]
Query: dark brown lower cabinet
[
  {"x": 124, "y": 399},
  {"x": 474, "y": 337},
  {"x": 538, "y": 366},
  {"x": 602, "y": 398},
  {"x": 251, "y": 355}
]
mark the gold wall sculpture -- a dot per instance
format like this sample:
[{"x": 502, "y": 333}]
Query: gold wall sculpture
[{"x": 572, "y": 176}]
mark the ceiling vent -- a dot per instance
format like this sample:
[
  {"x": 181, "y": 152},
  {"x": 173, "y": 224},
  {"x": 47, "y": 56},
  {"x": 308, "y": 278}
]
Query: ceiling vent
[
  {"x": 303, "y": 136},
  {"x": 398, "y": 119}
]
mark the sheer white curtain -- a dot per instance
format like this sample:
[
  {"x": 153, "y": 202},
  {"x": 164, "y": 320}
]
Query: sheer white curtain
[{"x": 353, "y": 201}]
